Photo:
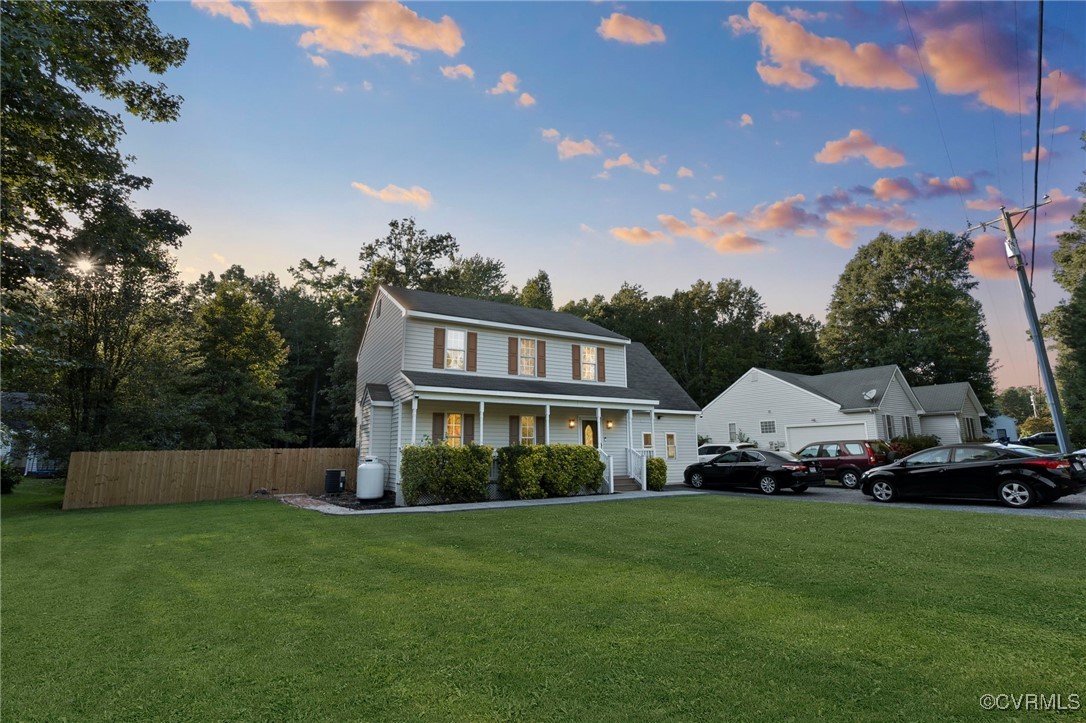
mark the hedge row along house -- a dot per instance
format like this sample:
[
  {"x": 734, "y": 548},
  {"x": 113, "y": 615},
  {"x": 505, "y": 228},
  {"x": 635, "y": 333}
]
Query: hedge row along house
[{"x": 449, "y": 370}]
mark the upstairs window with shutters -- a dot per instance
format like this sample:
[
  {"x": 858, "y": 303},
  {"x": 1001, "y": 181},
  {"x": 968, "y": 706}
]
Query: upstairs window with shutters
[
  {"x": 588, "y": 363},
  {"x": 527, "y": 357},
  {"x": 455, "y": 349}
]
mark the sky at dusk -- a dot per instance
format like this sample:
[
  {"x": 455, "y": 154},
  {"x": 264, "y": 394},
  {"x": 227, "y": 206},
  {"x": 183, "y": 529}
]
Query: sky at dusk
[{"x": 651, "y": 143}]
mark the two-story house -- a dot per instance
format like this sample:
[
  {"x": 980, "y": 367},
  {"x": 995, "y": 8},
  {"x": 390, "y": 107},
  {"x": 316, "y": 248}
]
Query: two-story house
[{"x": 434, "y": 367}]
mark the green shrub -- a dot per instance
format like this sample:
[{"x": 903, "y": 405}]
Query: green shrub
[
  {"x": 557, "y": 470},
  {"x": 656, "y": 470},
  {"x": 446, "y": 474},
  {"x": 9, "y": 477},
  {"x": 905, "y": 446}
]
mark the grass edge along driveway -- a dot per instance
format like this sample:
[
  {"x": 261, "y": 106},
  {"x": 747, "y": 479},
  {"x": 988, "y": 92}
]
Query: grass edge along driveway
[{"x": 706, "y": 608}]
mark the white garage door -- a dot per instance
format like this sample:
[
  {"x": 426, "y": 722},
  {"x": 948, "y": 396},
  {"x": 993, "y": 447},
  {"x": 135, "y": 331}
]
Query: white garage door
[{"x": 801, "y": 436}]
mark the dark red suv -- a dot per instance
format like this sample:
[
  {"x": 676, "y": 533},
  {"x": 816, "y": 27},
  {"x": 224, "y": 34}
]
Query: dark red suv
[{"x": 846, "y": 461}]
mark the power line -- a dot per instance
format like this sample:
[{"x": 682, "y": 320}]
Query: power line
[
  {"x": 931, "y": 97},
  {"x": 1037, "y": 134}
]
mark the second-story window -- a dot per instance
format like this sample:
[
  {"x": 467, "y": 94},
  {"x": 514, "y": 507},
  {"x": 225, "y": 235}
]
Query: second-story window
[
  {"x": 527, "y": 357},
  {"x": 588, "y": 363},
  {"x": 455, "y": 343}
]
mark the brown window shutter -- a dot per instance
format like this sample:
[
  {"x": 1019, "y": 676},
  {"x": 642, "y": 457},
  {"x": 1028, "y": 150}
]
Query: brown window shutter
[
  {"x": 514, "y": 344},
  {"x": 439, "y": 428},
  {"x": 514, "y": 430},
  {"x": 469, "y": 428},
  {"x": 439, "y": 348},
  {"x": 541, "y": 358},
  {"x": 576, "y": 361},
  {"x": 540, "y": 430},
  {"x": 601, "y": 370},
  {"x": 473, "y": 350}
]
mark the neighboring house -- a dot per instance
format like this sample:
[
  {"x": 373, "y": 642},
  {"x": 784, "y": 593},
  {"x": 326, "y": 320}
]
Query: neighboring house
[
  {"x": 16, "y": 434},
  {"x": 454, "y": 370},
  {"x": 782, "y": 410},
  {"x": 951, "y": 412},
  {"x": 1002, "y": 427}
]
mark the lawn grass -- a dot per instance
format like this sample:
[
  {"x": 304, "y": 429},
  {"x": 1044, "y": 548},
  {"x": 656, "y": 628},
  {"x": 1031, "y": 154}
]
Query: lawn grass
[{"x": 699, "y": 608}]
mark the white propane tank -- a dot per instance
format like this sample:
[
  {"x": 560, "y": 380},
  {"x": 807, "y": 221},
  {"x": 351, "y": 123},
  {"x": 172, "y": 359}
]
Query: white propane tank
[{"x": 370, "y": 482}]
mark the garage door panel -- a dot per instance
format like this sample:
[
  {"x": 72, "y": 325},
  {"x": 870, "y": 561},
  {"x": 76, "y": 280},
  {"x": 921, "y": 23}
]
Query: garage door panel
[{"x": 801, "y": 436}]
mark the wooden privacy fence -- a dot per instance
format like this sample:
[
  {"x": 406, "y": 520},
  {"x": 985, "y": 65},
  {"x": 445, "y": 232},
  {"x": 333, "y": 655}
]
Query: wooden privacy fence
[{"x": 106, "y": 479}]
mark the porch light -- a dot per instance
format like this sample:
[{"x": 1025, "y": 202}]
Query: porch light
[
  {"x": 572, "y": 422},
  {"x": 610, "y": 424}
]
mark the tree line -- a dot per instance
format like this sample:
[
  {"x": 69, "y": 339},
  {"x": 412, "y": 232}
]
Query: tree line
[{"x": 118, "y": 353}]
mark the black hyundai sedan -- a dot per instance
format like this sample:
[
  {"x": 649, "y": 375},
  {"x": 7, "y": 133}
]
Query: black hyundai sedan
[
  {"x": 1016, "y": 476},
  {"x": 767, "y": 471}
]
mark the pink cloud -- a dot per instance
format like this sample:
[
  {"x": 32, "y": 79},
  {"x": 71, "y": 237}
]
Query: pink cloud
[
  {"x": 804, "y": 16},
  {"x": 626, "y": 29},
  {"x": 624, "y": 160},
  {"x": 1060, "y": 129},
  {"x": 507, "y": 83},
  {"x": 639, "y": 236},
  {"x": 1032, "y": 154},
  {"x": 859, "y": 145},
  {"x": 745, "y": 120},
  {"x": 785, "y": 215},
  {"x": 845, "y": 220},
  {"x": 678, "y": 227},
  {"x": 457, "y": 71},
  {"x": 895, "y": 189},
  {"x": 226, "y": 9},
  {"x": 737, "y": 243},
  {"x": 935, "y": 187},
  {"x": 684, "y": 172},
  {"x": 993, "y": 202},
  {"x": 318, "y": 61},
  {"x": 665, "y": 187},
  {"x": 1061, "y": 87},
  {"x": 363, "y": 29},
  {"x": 526, "y": 100},
  {"x": 569, "y": 148},
  {"x": 990, "y": 257},
  {"x": 551, "y": 134},
  {"x": 787, "y": 47},
  {"x": 394, "y": 194}
]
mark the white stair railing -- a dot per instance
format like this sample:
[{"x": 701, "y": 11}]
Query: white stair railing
[
  {"x": 636, "y": 465},
  {"x": 608, "y": 472}
]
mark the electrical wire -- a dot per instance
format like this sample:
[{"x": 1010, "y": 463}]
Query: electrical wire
[
  {"x": 935, "y": 111},
  {"x": 1021, "y": 112},
  {"x": 1037, "y": 134}
]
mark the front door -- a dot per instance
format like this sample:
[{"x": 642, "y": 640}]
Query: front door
[{"x": 590, "y": 433}]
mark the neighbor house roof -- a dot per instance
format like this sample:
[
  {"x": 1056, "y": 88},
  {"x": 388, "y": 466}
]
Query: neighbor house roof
[
  {"x": 428, "y": 302},
  {"x": 943, "y": 398},
  {"x": 379, "y": 392},
  {"x": 648, "y": 376},
  {"x": 844, "y": 388}
]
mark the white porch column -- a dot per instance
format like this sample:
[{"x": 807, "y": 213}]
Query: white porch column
[
  {"x": 599, "y": 428},
  {"x": 482, "y": 421},
  {"x": 652, "y": 420},
  {"x": 629, "y": 429},
  {"x": 547, "y": 430},
  {"x": 399, "y": 452},
  {"x": 415, "y": 417}
]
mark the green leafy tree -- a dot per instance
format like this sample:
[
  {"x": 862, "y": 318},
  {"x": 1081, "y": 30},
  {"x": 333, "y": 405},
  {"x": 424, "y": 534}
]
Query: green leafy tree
[
  {"x": 61, "y": 161},
  {"x": 537, "y": 292},
  {"x": 789, "y": 343},
  {"x": 476, "y": 277},
  {"x": 906, "y": 301},
  {"x": 1017, "y": 402},
  {"x": 408, "y": 256},
  {"x": 237, "y": 382}
]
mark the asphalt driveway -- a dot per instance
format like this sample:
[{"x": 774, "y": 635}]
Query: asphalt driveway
[{"x": 1069, "y": 507}]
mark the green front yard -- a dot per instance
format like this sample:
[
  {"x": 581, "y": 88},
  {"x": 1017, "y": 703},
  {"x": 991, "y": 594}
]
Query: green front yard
[{"x": 706, "y": 608}]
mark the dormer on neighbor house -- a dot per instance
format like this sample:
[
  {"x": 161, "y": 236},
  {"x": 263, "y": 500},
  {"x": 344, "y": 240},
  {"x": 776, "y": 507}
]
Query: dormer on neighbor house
[{"x": 456, "y": 371}]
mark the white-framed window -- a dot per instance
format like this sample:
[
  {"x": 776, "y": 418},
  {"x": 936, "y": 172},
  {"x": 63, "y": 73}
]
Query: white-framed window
[
  {"x": 672, "y": 445},
  {"x": 527, "y": 357},
  {"x": 733, "y": 432},
  {"x": 455, "y": 345},
  {"x": 646, "y": 440},
  {"x": 588, "y": 363},
  {"x": 908, "y": 425},
  {"x": 889, "y": 426},
  {"x": 970, "y": 428},
  {"x": 527, "y": 429},
  {"x": 769, "y": 427},
  {"x": 454, "y": 429}
]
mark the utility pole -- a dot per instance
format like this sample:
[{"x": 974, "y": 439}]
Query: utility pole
[{"x": 1015, "y": 254}]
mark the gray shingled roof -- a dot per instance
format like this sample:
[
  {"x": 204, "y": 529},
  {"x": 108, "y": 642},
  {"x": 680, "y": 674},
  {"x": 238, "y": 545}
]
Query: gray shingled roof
[
  {"x": 431, "y": 303},
  {"x": 379, "y": 392},
  {"x": 942, "y": 398},
  {"x": 648, "y": 376},
  {"x": 844, "y": 388},
  {"x": 521, "y": 385}
]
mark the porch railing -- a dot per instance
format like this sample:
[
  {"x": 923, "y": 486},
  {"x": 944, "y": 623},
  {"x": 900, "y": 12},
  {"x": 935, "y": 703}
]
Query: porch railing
[
  {"x": 608, "y": 472},
  {"x": 637, "y": 465}
]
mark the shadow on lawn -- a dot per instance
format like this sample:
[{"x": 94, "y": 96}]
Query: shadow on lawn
[{"x": 33, "y": 497}]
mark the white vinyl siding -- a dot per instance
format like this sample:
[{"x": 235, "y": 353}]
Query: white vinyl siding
[
  {"x": 493, "y": 353},
  {"x": 943, "y": 426},
  {"x": 896, "y": 403}
]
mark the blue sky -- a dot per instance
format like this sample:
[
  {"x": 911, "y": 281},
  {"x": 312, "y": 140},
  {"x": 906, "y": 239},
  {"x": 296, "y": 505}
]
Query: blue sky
[{"x": 654, "y": 143}]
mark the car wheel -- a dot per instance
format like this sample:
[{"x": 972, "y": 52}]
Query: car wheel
[
  {"x": 850, "y": 479},
  {"x": 696, "y": 480},
  {"x": 799, "y": 489},
  {"x": 768, "y": 484},
  {"x": 883, "y": 491},
  {"x": 1016, "y": 494}
]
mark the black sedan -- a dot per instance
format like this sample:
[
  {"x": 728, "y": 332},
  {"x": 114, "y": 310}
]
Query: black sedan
[
  {"x": 764, "y": 470},
  {"x": 1016, "y": 476}
]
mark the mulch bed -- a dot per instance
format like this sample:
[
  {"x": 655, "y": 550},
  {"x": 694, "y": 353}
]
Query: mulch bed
[{"x": 349, "y": 501}]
